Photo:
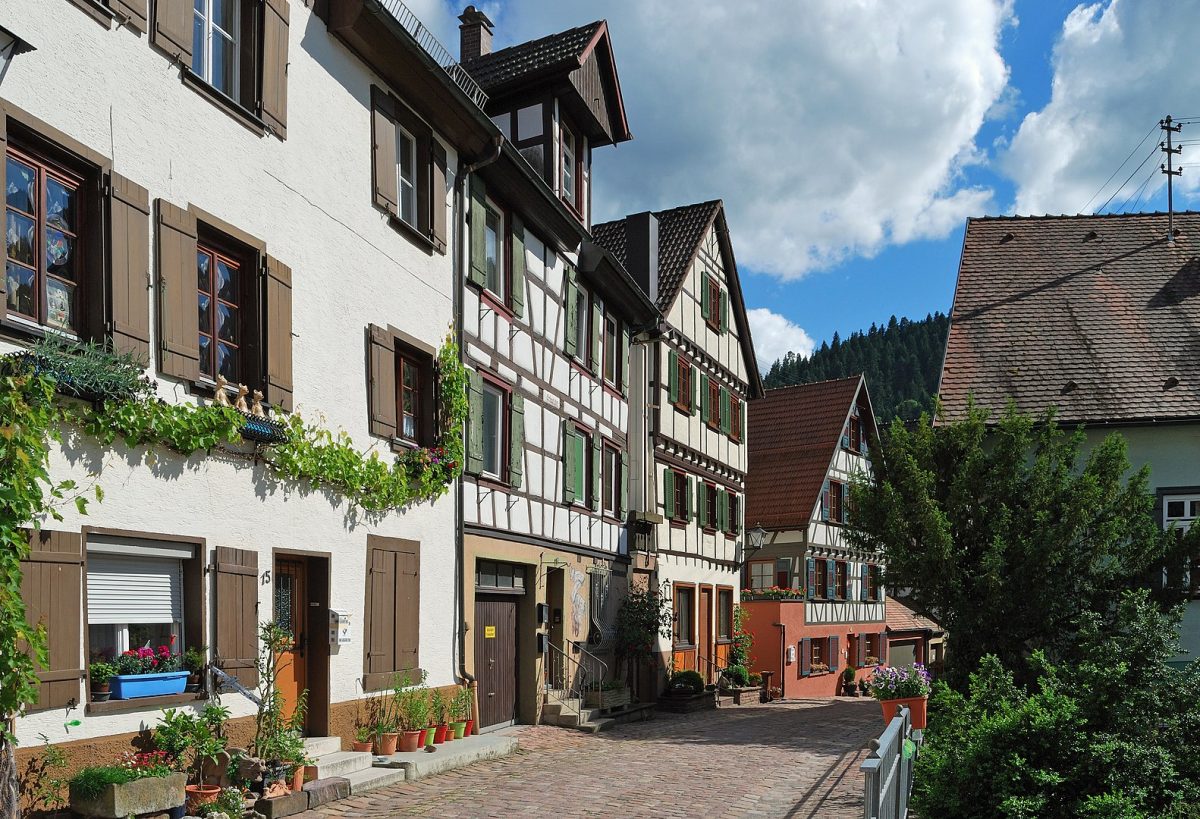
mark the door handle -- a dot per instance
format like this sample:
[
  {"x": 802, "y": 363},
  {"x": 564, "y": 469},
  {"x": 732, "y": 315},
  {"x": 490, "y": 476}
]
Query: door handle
[{"x": 491, "y": 693}]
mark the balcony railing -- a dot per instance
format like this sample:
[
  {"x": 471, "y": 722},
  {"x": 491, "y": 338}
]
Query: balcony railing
[{"x": 434, "y": 48}]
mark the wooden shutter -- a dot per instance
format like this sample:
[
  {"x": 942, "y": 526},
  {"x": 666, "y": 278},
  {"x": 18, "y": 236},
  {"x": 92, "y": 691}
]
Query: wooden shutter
[
  {"x": 805, "y": 656},
  {"x": 864, "y": 575},
  {"x": 129, "y": 266},
  {"x": 669, "y": 510},
  {"x": 825, "y": 501},
  {"x": 673, "y": 376},
  {"x": 834, "y": 654},
  {"x": 381, "y": 383},
  {"x": 477, "y": 272},
  {"x": 597, "y": 325},
  {"x": 518, "y": 266},
  {"x": 132, "y": 12},
  {"x": 474, "y": 421},
  {"x": 383, "y": 151},
  {"x": 624, "y": 361},
  {"x": 178, "y": 317},
  {"x": 624, "y": 484},
  {"x": 279, "y": 334},
  {"x": 689, "y": 508},
  {"x": 273, "y": 105},
  {"x": 693, "y": 372},
  {"x": 52, "y": 590},
  {"x": 861, "y": 643},
  {"x": 235, "y": 648},
  {"x": 597, "y": 460},
  {"x": 705, "y": 297},
  {"x": 408, "y": 611},
  {"x": 437, "y": 194},
  {"x": 391, "y": 629},
  {"x": 830, "y": 579},
  {"x": 172, "y": 31},
  {"x": 811, "y": 589},
  {"x": 702, "y": 504},
  {"x": 724, "y": 393},
  {"x": 724, "y": 315},
  {"x": 516, "y": 438},
  {"x": 570, "y": 465},
  {"x": 723, "y": 510},
  {"x": 570, "y": 315},
  {"x": 704, "y": 398},
  {"x": 883, "y": 648}
]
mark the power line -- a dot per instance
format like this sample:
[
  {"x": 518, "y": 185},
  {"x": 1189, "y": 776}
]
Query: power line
[
  {"x": 1153, "y": 151},
  {"x": 1118, "y": 170},
  {"x": 1139, "y": 191}
]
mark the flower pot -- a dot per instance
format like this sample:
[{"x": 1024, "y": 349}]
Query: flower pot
[
  {"x": 421, "y": 738},
  {"x": 150, "y": 794},
  {"x": 429, "y": 734},
  {"x": 470, "y": 727},
  {"x": 916, "y": 706},
  {"x": 362, "y": 746},
  {"x": 386, "y": 744},
  {"x": 439, "y": 734},
  {"x": 409, "y": 741},
  {"x": 296, "y": 782},
  {"x": 133, "y": 686},
  {"x": 459, "y": 729},
  {"x": 100, "y": 693},
  {"x": 198, "y": 795}
]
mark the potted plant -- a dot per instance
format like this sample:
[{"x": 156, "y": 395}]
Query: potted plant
[
  {"x": 417, "y": 716},
  {"x": 147, "y": 672},
  {"x": 362, "y": 739},
  {"x": 686, "y": 683},
  {"x": 195, "y": 660},
  {"x": 460, "y": 707},
  {"x": 848, "y": 688},
  {"x": 908, "y": 686},
  {"x": 437, "y": 709},
  {"x": 189, "y": 741},
  {"x": 863, "y": 688},
  {"x": 99, "y": 673},
  {"x": 469, "y": 710},
  {"x": 139, "y": 783}
]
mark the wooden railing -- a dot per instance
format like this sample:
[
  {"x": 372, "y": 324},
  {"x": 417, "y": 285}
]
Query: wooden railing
[{"x": 888, "y": 769}]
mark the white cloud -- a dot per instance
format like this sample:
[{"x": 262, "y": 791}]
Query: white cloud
[
  {"x": 831, "y": 128},
  {"x": 1118, "y": 68},
  {"x": 775, "y": 336}
]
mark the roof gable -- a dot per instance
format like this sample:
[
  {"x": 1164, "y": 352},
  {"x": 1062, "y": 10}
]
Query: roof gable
[{"x": 1095, "y": 315}]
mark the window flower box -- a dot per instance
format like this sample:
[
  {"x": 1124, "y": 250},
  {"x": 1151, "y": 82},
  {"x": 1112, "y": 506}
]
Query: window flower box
[
  {"x": 134, "y": 686},
  {"x": 607, "y": 698},
  {"x": 148, "y": 795}
]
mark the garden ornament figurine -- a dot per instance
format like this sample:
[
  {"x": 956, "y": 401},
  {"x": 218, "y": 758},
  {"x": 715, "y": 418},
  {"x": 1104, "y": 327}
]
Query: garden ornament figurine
[
  {"x": 256, "y": 408},
  {"x": 240, "y": 404},
  {"x": 220, "y": 398}
]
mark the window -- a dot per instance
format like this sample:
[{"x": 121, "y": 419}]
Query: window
[
  {"x": 410, "y": 404},
  {"x": 821, "y": 589},
  {"x": 683, "y": 376},
  {"x": 684, "y": 618},
  {"x": 675, "y": 494},
  {"x": 406, "y": 175},
  {"x": 735, "y": 418},
  {"x": 569, "y": 167},
  {"x": 783, "y": 573},
  {"x": 819, "y": 652},
  {"x": 873, "y": 588},
  {"x": 709, "y": 492},
  {"x": 714, "y": 404},
  {"x": 724, "y": 614},
  {"x": 760, "y": 574},
  {"x": 612, "y": 352},
  {"x": 493, "y": 261},
  {"x": 492, "y": 575},
  {"x": 731, "y": 524},
  {"x": 216, "y": 32},
  {"x": 494, "y": 415},
  {"x": 43, "y": 221},
  {"x": 841, "y": 580},
  {"x": 837, "y": 510},
  {"x": 611, "y": 480},
  {"x": 713, "y": 314},
  {"x": 1180, "y": 512},
  {"x": 219, "y": 284},
  {"x": 856, "y": 441}
]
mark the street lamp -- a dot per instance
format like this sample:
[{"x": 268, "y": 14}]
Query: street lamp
[
  {"x": 10, "y": 46},
  {"x": 757, "y": 536}
]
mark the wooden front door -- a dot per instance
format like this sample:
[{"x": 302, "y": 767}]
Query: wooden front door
[
  {"x": 496, "y": 658},
  {"x": 291, "y": 612},
  {"x": 704, "y": 631}
]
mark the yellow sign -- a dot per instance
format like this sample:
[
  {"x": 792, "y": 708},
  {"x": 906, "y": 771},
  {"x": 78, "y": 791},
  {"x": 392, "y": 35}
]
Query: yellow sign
[{"x": 489, "y": 632}]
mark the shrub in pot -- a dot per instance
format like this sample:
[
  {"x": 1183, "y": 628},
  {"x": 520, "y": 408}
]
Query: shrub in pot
[
  {"x": 737, "y": 675},
  {"x": 141, "y": 783},
  {"x": 99, "y": 673},
  {"x": 190, "y": 741},
  {"x": 362, "y": 738},
  {"x": 437, "y": 715},
  {"x": 848, "y": 688},
  {"x": 686, "y": 683},
  {"x": 195, "y": 660},
  {"x": 460, "y": 708}
]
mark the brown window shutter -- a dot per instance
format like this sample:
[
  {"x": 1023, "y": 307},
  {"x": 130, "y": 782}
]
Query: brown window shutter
[
  {"x": 235, "y": 648},
  {"x": 132, "y": 11},
  {"x": 52, "y": 588},
  {"x": 381, "y": 381},
  {"x": 279, "y": 334},
  {"x": 408, "y": 611},
  {"x": 437, "y": 194},
  {"x": 273, "y": 106},
  {"x": 172, "y": 31},
  {"x": 379, "y": 637},
  {"x": 383, "y": 150},
  {"x": 178, "y": 318},
  {"x": 129, "y": 266}
]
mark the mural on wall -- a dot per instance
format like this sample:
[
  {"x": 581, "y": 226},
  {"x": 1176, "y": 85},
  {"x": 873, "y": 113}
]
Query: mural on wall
[{"x": 578, "y": 606}]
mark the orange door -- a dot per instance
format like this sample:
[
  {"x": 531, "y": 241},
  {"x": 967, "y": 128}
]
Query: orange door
[
  {"x": 705, "y": 633},
  {"x": 291, "y": 610}
]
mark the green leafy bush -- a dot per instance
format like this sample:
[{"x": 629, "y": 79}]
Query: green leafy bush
[
  {"x": 738, "y": 675},
  {"x": 91, "y": 782},
  {"x": 687, "y": 680}
]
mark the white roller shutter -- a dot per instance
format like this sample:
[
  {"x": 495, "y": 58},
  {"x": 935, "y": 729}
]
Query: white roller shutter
[{"x": 133, "y": 589}]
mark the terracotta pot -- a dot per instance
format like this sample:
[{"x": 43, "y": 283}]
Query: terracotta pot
[
  {"x": 198, "y": 795},
  {"x": 386, "y": 744},
  {"x": 362, "y": 746},
  {"x": 470, "y": 727},
  {"x": 408, "y": 741},
  {"x": 459, "y": 729},
  {"x": 439, "y": 734},
  {"x": 296, "y": 783},
  {"x": 421, "y": 738},
  {"x": 917, "y": 707}
]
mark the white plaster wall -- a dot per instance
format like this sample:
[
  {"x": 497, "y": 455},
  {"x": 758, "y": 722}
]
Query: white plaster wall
[
  {"x": 309, "y": 199},
  {"x": 675, "y": 569}
]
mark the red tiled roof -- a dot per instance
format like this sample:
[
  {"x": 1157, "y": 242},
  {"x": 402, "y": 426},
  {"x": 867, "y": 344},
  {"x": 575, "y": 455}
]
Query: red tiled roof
[
  {"x": 901, "y": 618},
  {"x": 1095, "y": 315},
  {"x": 794, "y": 433}
]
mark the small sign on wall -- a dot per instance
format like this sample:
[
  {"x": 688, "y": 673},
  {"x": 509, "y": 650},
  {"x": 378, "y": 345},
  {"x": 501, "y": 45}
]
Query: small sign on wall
[
  {"x": 339, "y": 628},
  {"x": 489, "y": 632}
]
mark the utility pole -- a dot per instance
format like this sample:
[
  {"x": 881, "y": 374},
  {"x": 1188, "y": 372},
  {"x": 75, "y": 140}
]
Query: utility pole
[{"x": 1169, "y": 169}]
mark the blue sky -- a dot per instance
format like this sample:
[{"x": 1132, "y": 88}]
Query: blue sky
[{"x": 851, "y": 139}]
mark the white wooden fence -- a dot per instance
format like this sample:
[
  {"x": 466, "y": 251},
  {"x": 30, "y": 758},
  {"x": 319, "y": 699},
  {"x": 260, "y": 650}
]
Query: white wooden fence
[{"x": 888, "y": 770}]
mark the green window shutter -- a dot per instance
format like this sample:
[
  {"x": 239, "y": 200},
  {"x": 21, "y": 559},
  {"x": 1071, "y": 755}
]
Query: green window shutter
[
  {"x": 597, "y": 326},
  {"x": 705, "y": 298},
  {"x": 724, "y": 410},
  {"x": 571, "y": 320},
  {"x": 668, "y": 497},
  {"x": 702, "y": 504},
  {"x": 724, "y": 311},
  {"x": 673, "y": 375},
  {"x": 692, "y": 372},
  {"x": 569, "y": 465},
  {"x": 624, "y": 484},
  {"x": 474, "y": 422},
  {"x": 703, "y": 397},
  {"x": 624, "y": 362},
  {"x": 518, "y": 267},
  {"x": 722, "y": 510},
  {"x": 597, "y": 457},
  {"x": 516, "y": 437},
  {"x": 689, "y": 507},
  {"x": 477, "y": 274}
]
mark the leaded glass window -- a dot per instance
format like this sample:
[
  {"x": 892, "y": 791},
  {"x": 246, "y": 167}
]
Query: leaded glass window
[{"x": 218, "y": 284}]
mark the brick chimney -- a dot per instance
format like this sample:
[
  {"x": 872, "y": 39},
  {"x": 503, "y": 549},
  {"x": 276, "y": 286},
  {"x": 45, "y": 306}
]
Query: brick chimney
[
  {"x": 474, "y": 35},
  {"x": 641, "y": 241}
]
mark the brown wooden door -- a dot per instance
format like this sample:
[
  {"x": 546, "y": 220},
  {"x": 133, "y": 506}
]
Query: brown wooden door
[
  {"x": 496, "y": 658},
  {"x": 291, "y": 612},
  {"x": 704, "y": 631}
]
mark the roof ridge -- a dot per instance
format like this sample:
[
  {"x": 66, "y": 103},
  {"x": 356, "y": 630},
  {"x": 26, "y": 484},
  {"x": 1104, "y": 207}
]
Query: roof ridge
[
  {"x": 816, "y": 383},
  {"x": 534, "y": 41},
  {"x": 1030, "y": 217}
]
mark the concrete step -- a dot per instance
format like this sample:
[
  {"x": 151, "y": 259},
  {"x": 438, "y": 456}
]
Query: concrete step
[
  {"x": 597, "y": 725},
  {"x": 319, "y": 746},
  {"x": 371, "y": 778},
  {"x": 342, "y": 763}
]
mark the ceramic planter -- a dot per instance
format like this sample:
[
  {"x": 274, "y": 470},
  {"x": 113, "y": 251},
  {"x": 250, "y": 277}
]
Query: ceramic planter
[
  {"x": 459, "y": 728},
  {"x": 296, "y": 782},
  {"x": 917, "y": 707},
  {"x": 408, "y": 741},
  {"x": 198, "y": 795},
  {"x": 439, "y": 733},
  {"x": 152, "y": 794},
  {"x": 133, "y": 686}
]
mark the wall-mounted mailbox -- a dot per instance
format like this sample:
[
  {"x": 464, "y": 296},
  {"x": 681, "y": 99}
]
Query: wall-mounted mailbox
[
  {"x": 791, "y": 655},
  {"x": 339, "y": 627},
  {"x": 543, "y": 614},
  {"x": 542, "y": 642}
]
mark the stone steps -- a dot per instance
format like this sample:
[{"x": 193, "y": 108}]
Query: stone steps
[
  {"x": 342, "y": 763},
  {"x": 371, "y": 778},
  {"x": 320, "y": 746}
]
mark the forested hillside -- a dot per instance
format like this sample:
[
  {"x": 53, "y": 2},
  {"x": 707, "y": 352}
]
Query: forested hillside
[{"x": 902, "y": 362}]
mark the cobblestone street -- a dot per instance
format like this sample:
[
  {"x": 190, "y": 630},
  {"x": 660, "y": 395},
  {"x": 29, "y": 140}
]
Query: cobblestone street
[{"x": 796, "y": 759}]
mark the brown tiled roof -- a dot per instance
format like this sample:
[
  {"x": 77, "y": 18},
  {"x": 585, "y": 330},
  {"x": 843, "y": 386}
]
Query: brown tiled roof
[
  {"x": 517, "y": 62},
  {"x": 794, "y": 433},
  {"x": 901, "y": 618},
  {"x": 1096, "y": 315},
  {"x": 680, "y": 231}
]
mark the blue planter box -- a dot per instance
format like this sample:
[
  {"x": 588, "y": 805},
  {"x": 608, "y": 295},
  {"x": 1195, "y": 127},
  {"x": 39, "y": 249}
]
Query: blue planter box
[{"x": 132, "y": 686}]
